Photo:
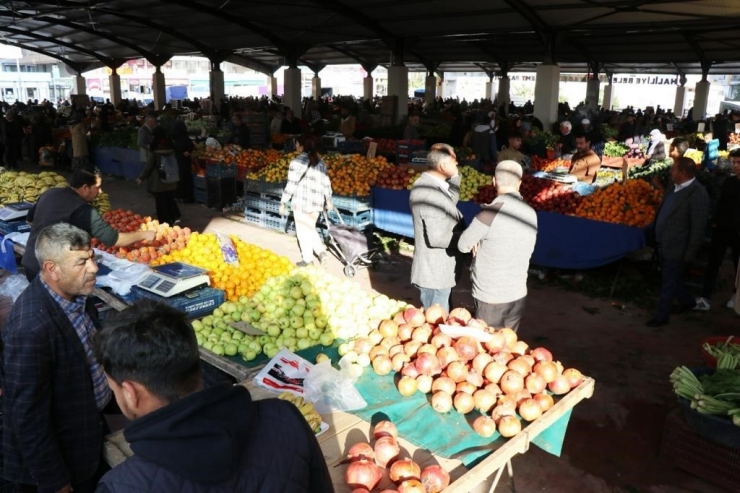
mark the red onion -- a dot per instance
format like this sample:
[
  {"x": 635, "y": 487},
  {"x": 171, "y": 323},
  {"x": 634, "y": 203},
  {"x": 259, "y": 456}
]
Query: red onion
[
  {"x": 484, "y": 426},
  {"x": 466, "y": 347},
  {"x": 363, "y": 474},
  {"x": 435, "y": 314},
  {"x": 386, "y": 450},
  {"x": 385, "y": 428},
  {"x": 404, "y": 469},
  {"x": 435, "y": 479}
]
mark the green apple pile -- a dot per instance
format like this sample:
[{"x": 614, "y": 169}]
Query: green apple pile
[
  {"x": 314, "y": 300},
  {"x": 471, "y": 180},
  {"x": 215, "y": 333}
]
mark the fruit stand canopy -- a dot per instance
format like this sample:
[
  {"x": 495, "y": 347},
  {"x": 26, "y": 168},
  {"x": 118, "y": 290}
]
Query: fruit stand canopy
[{"x": 608, "y": 36}]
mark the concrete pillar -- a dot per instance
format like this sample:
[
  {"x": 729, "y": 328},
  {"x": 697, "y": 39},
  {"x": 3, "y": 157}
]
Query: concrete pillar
[
  {"x": 592, "y": 92},
  {"x": 316, "y": 87},
  {"x": 292, "y": 89},
  {"x": 272, "y": 86},
  {"x": 489, "y": 89},
  {"x": 114, "y": 81},
  {"x": 216, "y": 81},
  {"x": 442, "y": 90},
  {"x": 701, "y": 98},
  {"x": 503, "y": 93},
  {"x": 80, "y": 86},
  {"x": 546, "y": 94},
  {"x": 678, "y": 105},
  {"x": 368, "y": 88},
  {"x": 607, "y": 102},
  {"x": 398, "y": 85},
  {"x": 158, "y": 89},
  {"x": 430, "y": 89}
]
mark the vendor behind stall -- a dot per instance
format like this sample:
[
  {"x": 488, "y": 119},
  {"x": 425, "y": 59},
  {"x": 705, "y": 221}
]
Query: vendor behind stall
[
  {"x": 239, "y": 132},
  {"x": 71, "y": 205},
  {"x": 656, "y": 150},
  {"x": 585, "y": 163},
  {"x": 512, "y": 151}
]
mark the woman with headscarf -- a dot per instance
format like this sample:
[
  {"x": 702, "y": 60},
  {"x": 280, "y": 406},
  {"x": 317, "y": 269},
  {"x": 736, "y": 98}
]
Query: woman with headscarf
[
  {"x": 656, "y": 149},
  {"x": 183, "y": 148},
  {"x": 309, "y": 191},
  {"x": 161, "y": 177}
]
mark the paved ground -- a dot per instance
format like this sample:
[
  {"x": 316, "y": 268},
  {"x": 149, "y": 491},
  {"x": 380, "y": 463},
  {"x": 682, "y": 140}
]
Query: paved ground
[{"x": 614, "y": 438}]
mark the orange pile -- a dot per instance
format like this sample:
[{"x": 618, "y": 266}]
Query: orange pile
[
  {"x": 353, "y": 174},
  {"x": 632, "y": 204},
  {"x": 255, "y": 265}
]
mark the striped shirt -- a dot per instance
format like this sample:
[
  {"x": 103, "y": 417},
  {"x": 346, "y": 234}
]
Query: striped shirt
[
  {"x": 309, "y": 192},
  {"x": 80, "y": 320}
]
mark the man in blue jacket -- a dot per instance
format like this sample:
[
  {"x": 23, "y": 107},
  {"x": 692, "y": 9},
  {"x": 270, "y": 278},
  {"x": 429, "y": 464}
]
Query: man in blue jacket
[
  {"x": 54, "y": 390},
  {"x": 186, "y": 439}
]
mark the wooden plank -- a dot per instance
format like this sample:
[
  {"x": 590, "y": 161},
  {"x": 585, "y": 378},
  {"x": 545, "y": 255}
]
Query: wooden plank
[
  {"x": 110, "y": 299},
  {"x": 227, "y": 366},
  {"x": 520, "y": 443}
]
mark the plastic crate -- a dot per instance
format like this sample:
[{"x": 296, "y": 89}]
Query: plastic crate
[
  {"x": 359, "y": 220},
  {"x": 320, "y": 228},
  {"x": 684, "y": 448},
  {"x": 199, "y": 182},
  {"x": 199, "y": 195},
  {"x": 220, "y": 171},
  {"x": 275, "y": 189},
  {"x": 274, "y": 222},
  {"x": 252, "y": 186},
  {"x": 262, "y": 202},
  {"x": 353, "y": 204},
  {"x": 718, "y": 429},
  {"x": 241, "y": 173},
  {"x": 253, "y": 215},
  {"x": 220, "y": 192},
  {"x": 203, "y": 303}
]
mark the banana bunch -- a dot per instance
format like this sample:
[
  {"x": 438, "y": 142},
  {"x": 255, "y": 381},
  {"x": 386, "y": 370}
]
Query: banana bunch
[
  {"x": 18, "y": 186},
  {"x": 102, "y": 203},
  {"x": 306, "y": 408}
]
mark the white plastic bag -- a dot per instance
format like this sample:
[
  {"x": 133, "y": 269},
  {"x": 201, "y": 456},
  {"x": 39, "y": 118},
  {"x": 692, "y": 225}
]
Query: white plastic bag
[
  {"x": 13, "y": 286},
  {"x": 331, "y": 390}
]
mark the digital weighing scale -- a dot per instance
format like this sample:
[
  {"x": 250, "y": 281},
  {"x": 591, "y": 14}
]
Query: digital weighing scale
[
  {"x": 16, "y": 210},
  {"x": 171, "y": 279}
]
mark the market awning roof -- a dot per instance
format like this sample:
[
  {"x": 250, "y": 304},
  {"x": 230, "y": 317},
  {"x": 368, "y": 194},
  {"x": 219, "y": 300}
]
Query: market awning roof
[{"x": 662, "y": 36}]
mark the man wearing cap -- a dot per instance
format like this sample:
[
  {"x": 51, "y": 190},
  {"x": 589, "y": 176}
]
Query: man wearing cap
[
  {"x": 502, "y": 238},
  {"x": 656, "y": 149}
]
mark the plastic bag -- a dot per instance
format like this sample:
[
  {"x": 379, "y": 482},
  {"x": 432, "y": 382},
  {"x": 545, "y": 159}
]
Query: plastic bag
[
  {"x": 13, "y": 286},
  {"x": 7, "y": 255},
  {"x": 331, "y": 390}
]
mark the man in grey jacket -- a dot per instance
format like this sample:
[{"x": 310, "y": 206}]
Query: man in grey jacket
[
  {"x": 679, "y": 228},
  {"x": 502, "y": 237},
  {"x": 437, "y": 224},
  {"x": 145, "y": 136}
]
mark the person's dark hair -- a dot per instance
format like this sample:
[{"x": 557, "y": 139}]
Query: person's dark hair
[
  {"x": 309, "y": 146},
  {"x": 735, "y": 153},
  {"x": 152, "y": 344},
  {"x": 582, "y": 134},
  {"x": 680, "y": 144},
  {"x": 160, "y": 139},
  {"x": 81, "y": 177},
  {"x": 686, "y": 166},
  {"x": 515, "y": 134}
]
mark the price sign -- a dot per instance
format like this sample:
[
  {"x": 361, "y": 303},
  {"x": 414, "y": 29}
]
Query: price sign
[{"x": 700, "y": 127}]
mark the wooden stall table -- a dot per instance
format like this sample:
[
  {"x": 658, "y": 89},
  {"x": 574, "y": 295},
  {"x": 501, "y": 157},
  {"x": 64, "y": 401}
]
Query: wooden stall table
[{"x": 346, "y": 429}]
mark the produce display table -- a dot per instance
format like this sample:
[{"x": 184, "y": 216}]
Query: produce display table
[
  {"x": 239, "y": 372},
  {"x": 347, "y": 429},
  {"x": 564, "y": 242}
]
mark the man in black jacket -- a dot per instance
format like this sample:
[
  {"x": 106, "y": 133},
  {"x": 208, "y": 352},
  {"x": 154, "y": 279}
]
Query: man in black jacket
[
  {"x": 188, "y": 439},
  {"x": 725, "y": 234}
]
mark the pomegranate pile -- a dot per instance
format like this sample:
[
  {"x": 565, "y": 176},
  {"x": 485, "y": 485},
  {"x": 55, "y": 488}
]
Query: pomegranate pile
[
  {"x": 369, "y": 464},
  {"x": 500, "y": 378}
]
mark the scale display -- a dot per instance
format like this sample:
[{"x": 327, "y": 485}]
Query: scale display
[
  {"x": 16, "y": 210},
  {"x": 171, "y": 279}
]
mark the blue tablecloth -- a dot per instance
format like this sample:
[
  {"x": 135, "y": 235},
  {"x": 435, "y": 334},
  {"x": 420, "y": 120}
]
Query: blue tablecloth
[
  {"x": 564, "y": 242},
  {"x": 118, "y": 161}
]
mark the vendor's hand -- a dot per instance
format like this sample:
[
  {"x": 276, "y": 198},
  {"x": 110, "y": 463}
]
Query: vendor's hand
[
  {"x": 149, "y": 235},
  {"x": 138, "y": 181},
  {"x": 282, "y": 210},
  {"x": 329, "y": 205},
  {"x": 474, "y": 250}
]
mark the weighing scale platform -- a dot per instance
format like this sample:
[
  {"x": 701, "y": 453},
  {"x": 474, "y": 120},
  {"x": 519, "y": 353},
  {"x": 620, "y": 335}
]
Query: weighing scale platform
[
  {"x": 173, "y": 279},
  {"x": 14, "y": 211}
]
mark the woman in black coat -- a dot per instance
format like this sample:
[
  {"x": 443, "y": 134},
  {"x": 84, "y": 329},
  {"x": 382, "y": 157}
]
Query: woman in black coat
[{"x": 183, "y": 150}]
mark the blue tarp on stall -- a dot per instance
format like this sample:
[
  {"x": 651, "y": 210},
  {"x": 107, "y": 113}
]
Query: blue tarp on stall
[
  {"x": 564, "y": 242},
  {"x": 117, "y": 161}
]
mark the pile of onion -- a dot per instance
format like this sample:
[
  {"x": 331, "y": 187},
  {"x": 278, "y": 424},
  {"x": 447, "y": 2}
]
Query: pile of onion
[{"x": 501, "y": 378}]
